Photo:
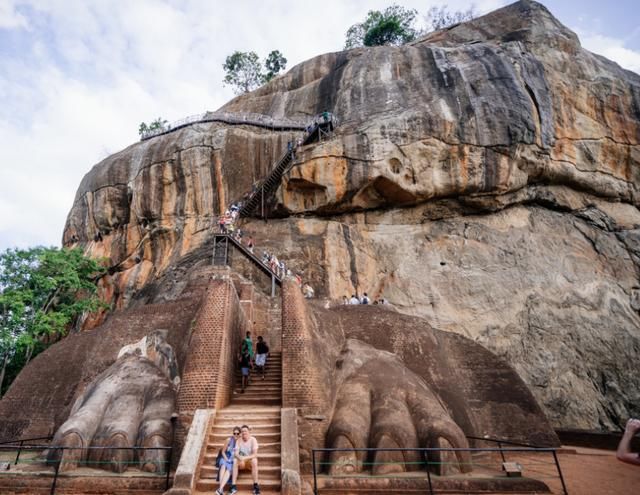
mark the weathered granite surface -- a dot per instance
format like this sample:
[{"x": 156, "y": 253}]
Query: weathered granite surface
[{"x": 484, "y": 177}]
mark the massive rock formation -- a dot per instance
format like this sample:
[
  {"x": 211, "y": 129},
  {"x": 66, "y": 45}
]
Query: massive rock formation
[{"x": 484, "y": 177}]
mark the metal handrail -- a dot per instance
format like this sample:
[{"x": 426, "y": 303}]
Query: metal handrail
[
  {"x": 249, "y": 118},
  {"x": 21, "y": 440},
  {"x": 426, "y": 450},
  {"x": 57, "y": 462}
]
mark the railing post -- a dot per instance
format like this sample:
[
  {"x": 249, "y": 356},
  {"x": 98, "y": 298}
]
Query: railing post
[
  {"x": 174, "y": 419},
  {"x": 273, "y": 285},
  {"x": 57, "y": 468},
  {"x": 315, "y": 476},
  {"x": 18, "y": 454},
  {"x": 428, "y": 473},
  {"x": 555, "y": 458},
  {"x": 501, "y": 452}
]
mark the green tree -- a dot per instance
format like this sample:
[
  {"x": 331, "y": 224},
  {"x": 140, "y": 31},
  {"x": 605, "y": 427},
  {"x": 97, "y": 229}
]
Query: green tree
[
  {"x": 244, "y": 71},
  {"x": 42, "y": 292},
  {"x": 144, "y": 128},
  {"x": 274, "y": 63},
  {"x": 395, "y": 25}
]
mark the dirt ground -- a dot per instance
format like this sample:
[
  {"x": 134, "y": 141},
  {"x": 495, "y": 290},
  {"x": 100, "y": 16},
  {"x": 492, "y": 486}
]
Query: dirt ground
[{"x": 598, "y": 472}]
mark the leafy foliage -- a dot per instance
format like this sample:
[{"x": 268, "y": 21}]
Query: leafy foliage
[
  {"x": 396, "y": 25},
  {"x": 159, "y": 123},
  {"x": 42, "y": 292},
  {"x": 274, "y": 63},
  {"x": 244, "y": 70},
  {"x": 440, "y": 17},
  {"x": 392, "y": 26}
]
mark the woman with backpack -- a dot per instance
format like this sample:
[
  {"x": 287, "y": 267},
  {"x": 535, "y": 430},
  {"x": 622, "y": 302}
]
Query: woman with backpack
[{"x": 225, "y": 460}]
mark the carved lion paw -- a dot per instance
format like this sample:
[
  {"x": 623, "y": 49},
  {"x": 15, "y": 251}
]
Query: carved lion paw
[
  {"x": 126, "y": 407},
  {"x": 382, "y": 404}
]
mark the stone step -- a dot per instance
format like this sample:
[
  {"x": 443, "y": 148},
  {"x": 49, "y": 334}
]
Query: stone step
[
  {"x": 213, "y": 447},
  {"x": 257, "y": 401},
  {"x": 233, "y": 416},
  {"x": 231, "y": 422},
  {"x": 259, "y": 384},
  {"x": 244, "y": 410},
  {"x": 254, "y": 427},
  {"x": 271, "y": 436},
  {"x": 256, "y": 393},
  {"x": 264, "y": 459},
  {"x": 244, "y": 485},
  {"x": 265, "y": 473},
  {"x": 256, "y": 379},
  {"x": 262, "y": 385}
]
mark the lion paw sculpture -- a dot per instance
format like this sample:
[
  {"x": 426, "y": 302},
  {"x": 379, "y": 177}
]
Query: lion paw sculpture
[
  {"x": 382, "y": 404},
  {"x": 128, "y": 405}
]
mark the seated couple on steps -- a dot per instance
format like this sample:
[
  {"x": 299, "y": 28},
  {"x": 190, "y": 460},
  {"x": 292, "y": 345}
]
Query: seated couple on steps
[{"x": 240, "y": 452}]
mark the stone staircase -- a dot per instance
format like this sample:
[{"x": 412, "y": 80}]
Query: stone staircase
[{"x": 259, "y": 408}]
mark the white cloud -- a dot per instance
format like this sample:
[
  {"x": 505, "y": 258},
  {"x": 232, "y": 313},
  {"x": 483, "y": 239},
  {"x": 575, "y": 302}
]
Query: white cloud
[
  {"x": 82, "y": 76},
  {"x": 611, "y": 48},
  {"x": 10, "y": 18}
]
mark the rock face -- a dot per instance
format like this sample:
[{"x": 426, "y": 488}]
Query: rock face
[{"x": 484, "y": 177}]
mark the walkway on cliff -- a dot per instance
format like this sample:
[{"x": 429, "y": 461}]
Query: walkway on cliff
[{"x": 233, "y": 118}]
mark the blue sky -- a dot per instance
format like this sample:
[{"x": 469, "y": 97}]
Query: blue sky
[{"x": 78, "y": 76}]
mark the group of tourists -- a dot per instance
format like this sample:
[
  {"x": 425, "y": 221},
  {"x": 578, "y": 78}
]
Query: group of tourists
[
  {"x": 250, "y": 359},
  {"x": 239, "y": 453},
  {"x": 226, "y": 222},
  {"x": 354, "y": 299}
]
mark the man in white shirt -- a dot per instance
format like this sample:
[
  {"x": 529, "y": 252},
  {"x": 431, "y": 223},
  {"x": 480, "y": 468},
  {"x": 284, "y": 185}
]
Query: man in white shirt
[
  {"x": 246, "y": 456},
  {"x": 354, "y": 299}
]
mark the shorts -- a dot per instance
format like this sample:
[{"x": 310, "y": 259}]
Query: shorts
[
  {"x": 245, "y": 371},
  {"x": 261, "y": 359}
]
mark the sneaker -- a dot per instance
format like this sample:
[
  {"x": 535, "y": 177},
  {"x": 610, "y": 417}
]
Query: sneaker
[
  {"x": 234, "y": 489},
  {"x": 219, "y": 492}
]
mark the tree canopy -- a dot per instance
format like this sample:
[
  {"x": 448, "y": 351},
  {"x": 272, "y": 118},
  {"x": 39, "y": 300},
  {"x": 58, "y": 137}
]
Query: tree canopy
[
  {"x": 159, "y": 123},
  {"x": 397, "y": 25},
  {"x": 244, "y": 71},
  {"x": 392, "y": 26},
  {"x": 42, "y": 292}
]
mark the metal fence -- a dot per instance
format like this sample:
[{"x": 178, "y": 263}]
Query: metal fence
[
  {"x": 248, "y": 118},
  {"x": 486, "y": 459},
  {"x": 18, "y": 447}
]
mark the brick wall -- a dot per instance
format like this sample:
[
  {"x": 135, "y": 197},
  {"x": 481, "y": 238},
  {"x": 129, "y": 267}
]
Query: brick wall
[
  {"x": 207, "y": 380},
  {"x": 304, "y": 386}
]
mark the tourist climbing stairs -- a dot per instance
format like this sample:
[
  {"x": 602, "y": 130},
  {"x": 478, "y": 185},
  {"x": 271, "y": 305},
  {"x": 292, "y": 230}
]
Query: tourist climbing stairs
[
  {"x": 259, "y": 408},
  {"x": 270, "y": 184},
  {"x": 222, "y": 244},
  {"x": 322, "y": 127}
]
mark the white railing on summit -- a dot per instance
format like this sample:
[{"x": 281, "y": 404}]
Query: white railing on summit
[{"x": 231, "y": 118}]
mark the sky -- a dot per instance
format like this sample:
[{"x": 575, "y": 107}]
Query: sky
[{"x": 77, "y": 77}]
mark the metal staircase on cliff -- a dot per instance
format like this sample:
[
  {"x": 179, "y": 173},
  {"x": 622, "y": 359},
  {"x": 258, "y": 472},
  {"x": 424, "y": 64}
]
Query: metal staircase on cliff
[
  {"x": 316, "y": 132},
  {"x": 222, "y": 245}
]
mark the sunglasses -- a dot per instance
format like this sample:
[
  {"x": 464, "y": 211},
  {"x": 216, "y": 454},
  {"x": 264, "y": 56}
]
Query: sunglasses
[{"x": 236, "y": 433}]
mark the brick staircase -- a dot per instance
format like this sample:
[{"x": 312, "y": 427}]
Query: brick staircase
[{"x": 258, "y": 407}]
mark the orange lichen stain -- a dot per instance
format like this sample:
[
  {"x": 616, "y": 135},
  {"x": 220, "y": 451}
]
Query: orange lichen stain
[{"x": 217, "y": 166}]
